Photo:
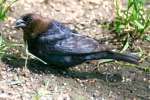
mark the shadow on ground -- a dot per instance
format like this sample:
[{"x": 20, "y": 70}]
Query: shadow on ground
[{"x": 39, "y": 68}]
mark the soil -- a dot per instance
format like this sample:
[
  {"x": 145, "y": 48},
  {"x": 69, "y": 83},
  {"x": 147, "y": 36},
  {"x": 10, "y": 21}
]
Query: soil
[{"x": 99, "y": 81}]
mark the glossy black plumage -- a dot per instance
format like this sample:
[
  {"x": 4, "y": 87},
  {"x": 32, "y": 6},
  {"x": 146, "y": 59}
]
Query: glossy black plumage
[{"x": 58, "y": 45}]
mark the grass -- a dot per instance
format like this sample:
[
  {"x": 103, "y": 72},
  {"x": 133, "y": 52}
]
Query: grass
[
  {"x": 5, "y": 5},
  {"x": 131, "y": 23},
  {"x": 3, "y": 46}
]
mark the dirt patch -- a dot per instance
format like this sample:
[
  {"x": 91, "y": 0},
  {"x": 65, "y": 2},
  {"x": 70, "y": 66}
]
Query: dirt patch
[{"x": 112, "y": 81}]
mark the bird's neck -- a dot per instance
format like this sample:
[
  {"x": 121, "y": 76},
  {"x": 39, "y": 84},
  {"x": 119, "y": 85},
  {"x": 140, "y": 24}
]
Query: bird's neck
[
  {"x": 41, "y": 27},
  {"x": 34, "y": 32}
]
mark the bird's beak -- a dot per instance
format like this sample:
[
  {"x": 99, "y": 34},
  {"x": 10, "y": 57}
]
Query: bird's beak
[{"x": 20, "y": 23}]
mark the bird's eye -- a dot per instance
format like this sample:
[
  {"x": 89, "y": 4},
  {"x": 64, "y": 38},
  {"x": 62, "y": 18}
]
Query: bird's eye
[{"x": 27, "y": 18}]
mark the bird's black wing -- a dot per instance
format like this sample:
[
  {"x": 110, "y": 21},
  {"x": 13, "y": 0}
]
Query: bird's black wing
[
  {"x": 78, "y": 44},
  {"x": 60, "y": 39}
]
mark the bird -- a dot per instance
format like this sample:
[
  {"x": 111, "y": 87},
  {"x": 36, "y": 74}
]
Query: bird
[{"x": 56, "y": 44}]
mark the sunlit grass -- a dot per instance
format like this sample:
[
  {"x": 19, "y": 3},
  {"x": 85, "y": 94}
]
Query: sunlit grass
[
  {"x": 5, "y": 5},
  {"x": 3, "y": 46},
  {"x": 131, "y": 23}
]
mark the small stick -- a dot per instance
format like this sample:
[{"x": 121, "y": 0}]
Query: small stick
[{"x": 30, "y": 54}]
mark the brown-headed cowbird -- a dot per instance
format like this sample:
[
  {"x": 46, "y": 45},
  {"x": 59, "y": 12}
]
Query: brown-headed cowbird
[{"x": 56, "y": 44}]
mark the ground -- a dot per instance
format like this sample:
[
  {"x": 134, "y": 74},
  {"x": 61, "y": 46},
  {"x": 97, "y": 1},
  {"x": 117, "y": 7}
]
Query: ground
[{"x": 101, "y": 81}]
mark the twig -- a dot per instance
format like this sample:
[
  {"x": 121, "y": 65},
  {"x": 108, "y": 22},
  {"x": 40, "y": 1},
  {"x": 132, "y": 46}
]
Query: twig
[
  {"x": 27, "y": 57},
  {"x": 29, "y": 54}
]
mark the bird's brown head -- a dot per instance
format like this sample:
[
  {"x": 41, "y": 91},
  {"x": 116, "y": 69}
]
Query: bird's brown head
[{"x": 32, "y": 25}]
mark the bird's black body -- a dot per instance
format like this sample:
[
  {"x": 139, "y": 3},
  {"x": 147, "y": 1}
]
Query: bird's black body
[{"x": 59, "y": 46}]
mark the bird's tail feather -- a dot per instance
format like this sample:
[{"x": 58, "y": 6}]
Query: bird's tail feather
[{"x": 113, "y": 55}]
